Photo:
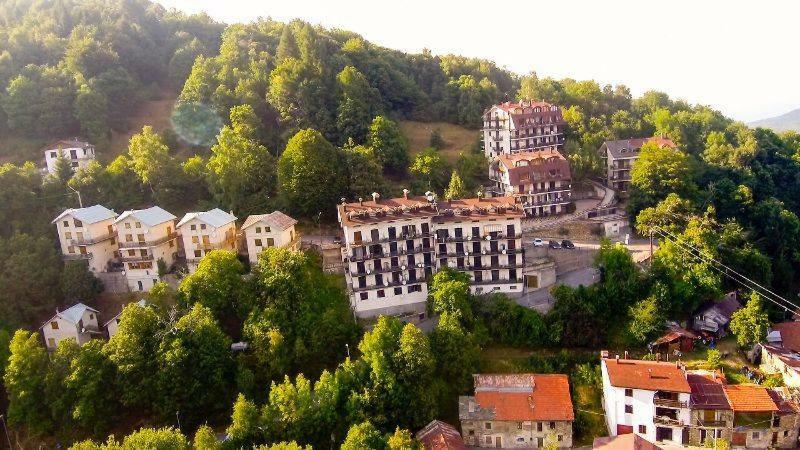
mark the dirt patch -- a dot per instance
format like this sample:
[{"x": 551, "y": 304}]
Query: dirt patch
[
  {"x": 457, "y": 139},
  {"x": 155, "y": 112}
]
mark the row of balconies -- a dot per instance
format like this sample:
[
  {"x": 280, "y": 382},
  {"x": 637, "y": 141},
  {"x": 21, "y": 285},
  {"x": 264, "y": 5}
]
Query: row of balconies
[
  {"x": 473, "y": 238},
  {"x": 137, "y": 258},
  {"x": 92, "y": 241},
  {"x": 517, "y": 135},
  {"x": 381, "y": 254},
  {"x": 498, "y": 266},
  {"x": 497, "y": 281},
  {"x": 389, "y": 269},
  {"x": 483, "y": 252},
  {"x": 387, "y": 284},
  {"x": 153, "y": 243},
  {"x": 385, "y": 239}
]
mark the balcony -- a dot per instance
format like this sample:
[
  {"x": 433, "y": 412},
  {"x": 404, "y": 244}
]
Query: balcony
[
  {"x": 472, "y": 267},
  {"x": 667, "y": 421},
  {"x": 498, "y": 281},
  {"x": 470, "y": 238},
  {"x": 137, "y": 258},
  {"x": 712, "y": 423},
  {"x": 399, "y": 252},
  {"x": 77, "y": 257},
  {"x": 389, "y": 269},
  {"x": 483, "y": 252},
  {"x": 92, "y": 241},
  {"x": 142, "y": 244},
  {"x": 387, "y": 284},
  {"x": 383, "y": 240},
  {"x": 669, "y": 403}
]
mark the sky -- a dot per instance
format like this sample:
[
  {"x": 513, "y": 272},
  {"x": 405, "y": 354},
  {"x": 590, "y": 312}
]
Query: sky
[{"x": 736, "y": 56}]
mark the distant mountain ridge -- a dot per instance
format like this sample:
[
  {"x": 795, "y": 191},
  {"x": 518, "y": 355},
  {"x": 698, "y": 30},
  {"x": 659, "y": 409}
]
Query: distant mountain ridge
[{"x": 785, "y": 122}]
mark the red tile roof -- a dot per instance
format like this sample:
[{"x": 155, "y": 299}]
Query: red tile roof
[
  {"x": 790, "y": 334},
  {"x": 749, "y": 398},
  {"x": 438, "y": 435},
  {"x": 525, "y": 397},
  {"x": 648, "y": 375},
  {"x": 541, "y": 166},
  {"x": 624, "y": 442}
]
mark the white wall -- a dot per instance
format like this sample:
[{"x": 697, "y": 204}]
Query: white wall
[
  {"x": 223, "y": 237},
  {"x": 258, "y": 231},
  {"x": 82, "y": 159},
  {"x": 142, "y": 279},
  {"x": 101, "y": 252},
  {"x": 68, "y": 330}
]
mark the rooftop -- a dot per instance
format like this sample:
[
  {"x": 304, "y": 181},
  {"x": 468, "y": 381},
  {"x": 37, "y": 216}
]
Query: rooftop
[
  {"x": 790, "y": 334},
  {"x": 747, "y": 398},
  {"x": 214, "y": 217},
  {"x": 275, "y": 219},
  {"x": 151, "y": 216},
  {"x": 647, "y": 375},
  {"x": 64, "y": 143},
  {"x": 519, "y": 397},
  {"x": 73, "y": 314},
  {"x": 88, "y": 215},
  {"x": 626, "y": 148},
  {"x": 438, "y": 435},
  {"x": 707, "y": 390}
]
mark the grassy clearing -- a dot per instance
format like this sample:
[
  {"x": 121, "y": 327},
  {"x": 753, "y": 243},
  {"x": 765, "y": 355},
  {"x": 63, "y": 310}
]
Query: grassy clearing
[
  {"x": 18, "y": 149},
  {"x": 457, "y": 139},
  {"x": 155, "y": 112}
]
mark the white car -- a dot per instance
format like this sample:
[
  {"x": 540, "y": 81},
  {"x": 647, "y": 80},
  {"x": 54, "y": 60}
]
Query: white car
[{"x": 538, "y": 242}]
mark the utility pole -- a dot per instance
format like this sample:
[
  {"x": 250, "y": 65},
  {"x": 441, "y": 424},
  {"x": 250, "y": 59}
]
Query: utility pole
[
  {"x": 651, "y": 247},
  {"x": 80, "y": 202}
]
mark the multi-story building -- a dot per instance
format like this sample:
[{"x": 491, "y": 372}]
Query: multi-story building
[
  {"x": 517, "y": 410},
  {"x": 88, "y": 234},
  {"x": 79, "y": 153},
  {"x": 78, "y": 322},
  {"x": 540, "y": 180},
  {"x": 392, "y": 246},
  {"x": 146, "y": 236},
  {"x": 619, "y": 157},
  {"x": 275, "y": 229},
  {"x": 522, "y": 127},
  {"x": 205, "y": 231}
]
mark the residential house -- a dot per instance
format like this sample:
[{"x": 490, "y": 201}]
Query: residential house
[
  {"x": 540, "y": 180},
  {"x": 205, "y": 231},
  {"x": 711, "y": 413},
  {"x": 619, "y": 157},
  {"x": 78, "y": 322},
  {"x": 275, "y": 229},
  {"x": 517, "y": 410},
  {"x": 758, "y": 421},
  {"x": 392, "y": 246},
  {"x": 675, "y": 340},
  {"x": 438, "y": 435},
  {"x": 146, "y": 236},
  {"x": 713, "y": 318},
  {"x": 112, "y": 325},
  {"x": 525, "y": 126},
  {"x": 79, "y": 153},
  {"x": 781, "y": 353},
  {"x": 88, "y": 234}
]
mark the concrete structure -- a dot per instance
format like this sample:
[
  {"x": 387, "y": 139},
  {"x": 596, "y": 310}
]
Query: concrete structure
[
  {"x": 275, "y": 229},
  {"x": 78, "y": 322},
  {"x": 392, "y": 246},
  {"x": 522, "y": 127},
  {"x": 79, "y": 153},
  {"x": 205, "y": 231},
  {"x": 145, "y": 237},
  {"x": 112, "y": 326},
  {"x": 440, "y": 436},
  {"x": 88, "y": 234},
  {"x": 517, "y": 410},
  {"x": 619, "y": 157},
  {"x": 540, "y": 180}
]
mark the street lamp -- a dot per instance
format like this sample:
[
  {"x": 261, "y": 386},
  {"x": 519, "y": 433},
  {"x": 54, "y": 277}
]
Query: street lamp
[
  {"x": 8, "y": 438},
  {"x": 347, "y": 346}
]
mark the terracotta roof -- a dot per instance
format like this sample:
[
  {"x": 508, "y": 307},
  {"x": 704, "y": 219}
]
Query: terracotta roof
[
  {"x": 673, "y": 333},
  {"x": 525, "y": 397},
  {"x": 627, "y": 148},
  {"x": 540, "y": 166},
  {"x": 749, "y": 398},
  {"x": 624, "y": 442},
  {"x": 508, "y": 106},
  {"x": 790, "y": 334},
  {"x": 707, "y": 391},
  {"x": 275, "y": 219},
  {"x": 648, "y": 375},
  {"x": 478, "y": 208},
  {"x": 438, "y": 435}
]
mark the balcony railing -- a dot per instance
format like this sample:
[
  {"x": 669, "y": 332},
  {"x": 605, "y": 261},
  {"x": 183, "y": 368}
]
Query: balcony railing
[
  {"x": 668, "y": 421},
  {"x": 387, "y": 284},
  {"x": 669, "y": 403},
  {"x": 712, "y": 423},
  {"x": 468, "y": 238},
  {"x": 137, "y": 258},
  {"x": 389, "y": 269},
  {"x": 91, "y": 241},
  {"x": 383, "y": 240},
  {"x": 398, "y": 252},
  {"x": 482, "y": 252},
  {"x": 498, "y": 281},
  {"x": 473, "y": 267},
  {"x": 141, "y": 244},
  {"x": 77, "y": 256}
]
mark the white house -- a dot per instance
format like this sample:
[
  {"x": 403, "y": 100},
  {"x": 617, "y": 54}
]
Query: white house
[
  {"x": 113, "y": 325},
  {"x": 88, "y": 234},
  {"x": 204, "y": 231},
  {"x": 78, "y": 322},
  {"x": 145, "y": 237},
  {"x": 79, "y": 153},
  {"x": 275, "y": 229},
  {"x": 649, "y": 398}
]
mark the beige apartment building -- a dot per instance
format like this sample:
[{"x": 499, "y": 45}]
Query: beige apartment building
[
  {"x": 392, "y": 246},
  {"x": 145, "y": 237},
  {"x": 88, "y": 234},
  {"x": 540, "y": 180},
  {"x": 205, "y": 231},
  {"x": 527, "y": 126},
  {"x": 79, "y": 322},
  {"x": 275, "y": 229},
  {"x": 619, "y": 157}
]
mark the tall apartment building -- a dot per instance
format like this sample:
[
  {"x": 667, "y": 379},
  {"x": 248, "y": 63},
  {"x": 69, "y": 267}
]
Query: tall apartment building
[
  {"x": 88, "y": 234},
  {"x": 275, "y": 229},
  {"x": 79, "y": 153},
  {"x": 522, "y": 127},
  {"x": 619, "y": 157},
  {"x": 145, "y": 237},
  {"x": 392, "y": 246},
  {"x": 205, "y": 231},
  {"x": 540, "y": 180}
]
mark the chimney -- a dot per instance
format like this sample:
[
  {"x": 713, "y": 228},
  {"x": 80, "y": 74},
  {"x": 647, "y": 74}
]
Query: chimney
[
  {"x": 616, "y": 357},
  {"x": 360, "y": 201},
  {"x": 603, "y": 353},
  {"x": 405, "y": 194},
  {"x": 658, "y": 357},
  {"x": 626, "y": 354},
  {"x": 375, "y": 197}
]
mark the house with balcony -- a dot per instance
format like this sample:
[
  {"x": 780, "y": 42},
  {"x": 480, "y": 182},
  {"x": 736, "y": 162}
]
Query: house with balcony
[
  {"x": 711, "y": 413},
  {"x": 618, "y": 158},
  {"x": 517, "y": 411},
  {"x": 541, "y": 180},
  {"x": 88, "y": 234},
  {"x": 262, "y": 231},
  {"x": 78, "y": 322},
  {"x": 79, "y": 153},
  {"x": 392, "y": 246},
  {"x": 526, "y": 126},
  {"x": 205, "y": 231},
  {"x": 146, "y": 236}
]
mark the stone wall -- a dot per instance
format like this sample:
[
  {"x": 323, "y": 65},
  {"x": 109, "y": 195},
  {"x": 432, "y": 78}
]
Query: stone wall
[{"x": 515, "y": 434}]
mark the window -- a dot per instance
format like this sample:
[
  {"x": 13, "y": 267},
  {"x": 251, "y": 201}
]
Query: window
[
  {"x": 131, "y": 252},
  {"x": 642, "y": 429},
  {"x": 51, "y": 342},
  {"x": 756, "y": 435},
  {"x": 198, "y": 253},
  {"x": 68, "y": 235},
  {"x": 270, "y": 242},
  {"x": 786, "y": 433},
  {"x": 489, "y": 440},
  {"x": 519, "y": 425},
  {"x": 552, "y": 425},
  {"x": 140, "y": 237},
  {"x": 520, "y": 439},
  {"x": 127, "y": 225},
  {"x": 78, "y": 223},
  {"x": 487, "y": 425},
  {"x": 71, "y": 249},
  {"x": 628, "y": 392},
  {"x": 560, "y": 438},
  {"x": 195, "y": 239},
  {"x": 193, "y": 227},
  {"x": 381, "y": 293},
  {"x": 363, "y": 296},
  {"x": 472, "y": 432},
  {"x": 202, "y": 226},
  {"x": 66, "y": 223},
  {"x": 539, "y": 426},
  {"x": 91, "y": 316},
  {"x": 258, "y": 229},
  {"x": 258, "y": 242},
  {"x": 54, "y": 325},
  {"x": 267, "y": 229},
  {"x": 398, "y": 291},
  {"x": 138, "y": 224},
  {"x": 628, "y": 409}
]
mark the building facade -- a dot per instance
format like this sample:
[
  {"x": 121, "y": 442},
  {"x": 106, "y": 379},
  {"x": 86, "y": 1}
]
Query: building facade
[
  {"x": 205, "y": 231},
  {"x": 522, "y": 127},
  {"x": 79, "y": 154},
  {"x": 540, "y": 180},
  {"x": 146, "y": 236},
  {"x": 619, "y": 157},
  {"x": 112, "y": 325},
  {"x": 392, "y": 246},
  {"x": 79, "y": 322},
  {"x": 275, "y": 229},
  {"x": 88, "y": 234},
  {"x": 517, "y": 410}
]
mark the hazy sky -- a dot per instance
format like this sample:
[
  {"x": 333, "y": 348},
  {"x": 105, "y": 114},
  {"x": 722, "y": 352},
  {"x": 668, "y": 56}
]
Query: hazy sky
[{"x": 740, "y": 57}]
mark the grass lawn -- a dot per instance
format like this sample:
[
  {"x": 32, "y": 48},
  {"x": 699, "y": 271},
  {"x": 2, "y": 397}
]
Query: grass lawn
[
  {"x": 457, "y": 139},
  {"x": 732, "y": 360}
]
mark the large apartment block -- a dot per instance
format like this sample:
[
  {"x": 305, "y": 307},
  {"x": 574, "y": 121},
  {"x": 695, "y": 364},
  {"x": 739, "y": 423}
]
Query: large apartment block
[
  {"x": 619, "y": 157},
  {"x": 522, "y": 127},
  {"x": 79, "y": 154},
  {"x": 392, "y": 246},
  {"x": 205, "y": 231},
  {"x": 540, "y": 180},
  {"x": 88, "y": 234},
  {"x": 145, "y": 237}
]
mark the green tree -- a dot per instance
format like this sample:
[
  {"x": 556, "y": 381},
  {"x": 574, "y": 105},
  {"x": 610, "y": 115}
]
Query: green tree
[
  {"x": 713, "y": 358},
  {"x": 365, "y": 173},
  {"x": 457, "y": 352},
  {"x": 206, "y": 439},
  {"x": 357, "y": 100},
  {"x": 362, "y": 436},
  {"x": 149, "y": 157},
  {"x": 436, "y": 141},
  {"x": 78, "y": 283},
  {"x": 91, "y": 381},
  {"x": 217, "y": 284},
  {"x": 390, "y": 145},
  {"x": 658, "y": 172},
  {"x": 455, "y": 190},
  {"x": 429, "y": 170},
  {"x": 645, "y": 319},
  {"x": 29, "y": 274},
  {"x": 750, "y": 324},
  {"x": 91, "y": 110},
  {"x": 244, "y": 421},
  {"x": 401, "y": 440},
  {"x": 24, "y": 380},
  {"x": 287, "y": 46}
]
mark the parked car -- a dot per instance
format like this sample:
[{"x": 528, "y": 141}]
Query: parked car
[
  {"x": 566, "y": 243},
  {"x": 538, "y": 242},
  {"x": 555, "y": 245}
]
